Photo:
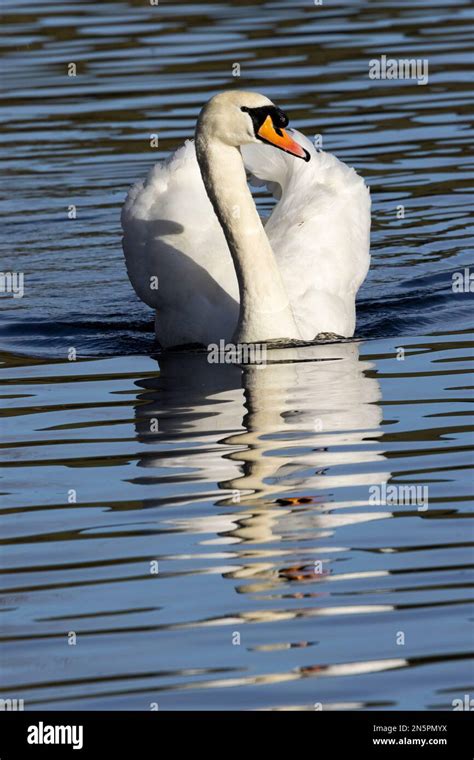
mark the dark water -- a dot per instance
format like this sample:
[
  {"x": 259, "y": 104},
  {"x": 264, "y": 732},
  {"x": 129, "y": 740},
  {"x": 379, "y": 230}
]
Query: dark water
[{"x": 280, "y": 583}]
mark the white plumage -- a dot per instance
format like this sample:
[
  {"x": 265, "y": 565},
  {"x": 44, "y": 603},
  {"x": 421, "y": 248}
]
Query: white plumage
[{"x": 318, "y": 231}]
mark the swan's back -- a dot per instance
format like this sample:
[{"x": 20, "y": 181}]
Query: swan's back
[{"x": 319, "y": 231}]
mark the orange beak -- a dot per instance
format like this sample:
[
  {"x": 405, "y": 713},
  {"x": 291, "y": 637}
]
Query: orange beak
[{"x": 281, "y": 139}]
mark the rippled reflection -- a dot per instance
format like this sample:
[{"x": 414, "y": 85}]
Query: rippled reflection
[{"x": 303, "y": 415}]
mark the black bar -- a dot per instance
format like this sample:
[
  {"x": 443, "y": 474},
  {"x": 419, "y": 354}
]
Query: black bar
[{"x": 151, "y": 734}]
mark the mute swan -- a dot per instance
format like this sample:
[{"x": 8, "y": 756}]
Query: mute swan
[{"x": 197, "y": 252}]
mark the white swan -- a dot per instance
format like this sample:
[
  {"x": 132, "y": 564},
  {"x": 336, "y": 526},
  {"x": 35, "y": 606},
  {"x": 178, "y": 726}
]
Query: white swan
[{"x": 198, "y": 253}]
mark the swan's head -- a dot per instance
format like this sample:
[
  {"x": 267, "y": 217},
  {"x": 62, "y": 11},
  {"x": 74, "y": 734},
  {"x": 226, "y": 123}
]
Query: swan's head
[{"x": 239, "y": 118}]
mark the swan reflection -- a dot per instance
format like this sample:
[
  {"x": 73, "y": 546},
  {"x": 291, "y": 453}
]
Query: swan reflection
[{"x": 289, "y": 445}]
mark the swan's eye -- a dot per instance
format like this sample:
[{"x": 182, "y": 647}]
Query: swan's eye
[{"x": 280, "y": 118}]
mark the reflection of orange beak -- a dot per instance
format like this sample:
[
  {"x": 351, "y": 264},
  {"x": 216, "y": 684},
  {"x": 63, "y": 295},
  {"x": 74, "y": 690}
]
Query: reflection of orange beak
[{"x": 281, "y": 139}]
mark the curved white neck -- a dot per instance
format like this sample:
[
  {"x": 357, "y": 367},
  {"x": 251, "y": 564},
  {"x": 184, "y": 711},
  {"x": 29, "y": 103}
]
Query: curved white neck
[{"x": 265, "y": 312}]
